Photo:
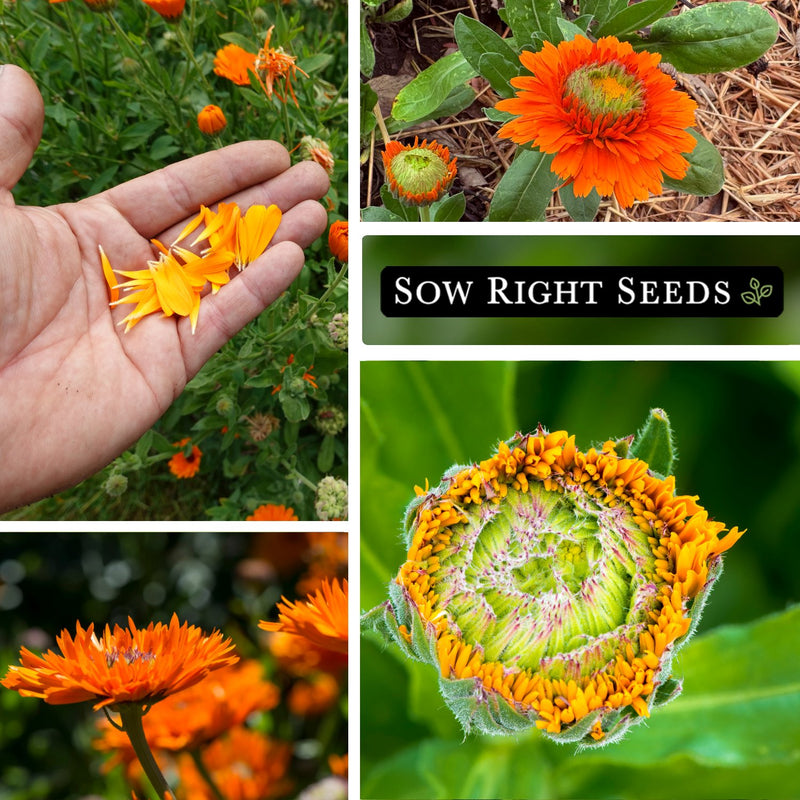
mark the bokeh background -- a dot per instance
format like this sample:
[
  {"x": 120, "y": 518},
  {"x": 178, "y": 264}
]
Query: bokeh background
[
  {"x": 650, "y": 250},
  {"x": 735, "y": 731},
  {"x": 225, "y": 581}
]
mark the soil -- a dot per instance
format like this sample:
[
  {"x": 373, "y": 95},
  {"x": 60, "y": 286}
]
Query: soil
[{"x": 751, "y": 114}]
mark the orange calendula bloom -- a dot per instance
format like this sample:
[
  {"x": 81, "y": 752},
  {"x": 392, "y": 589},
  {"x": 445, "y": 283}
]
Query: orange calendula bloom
[
  {"x": 234, "y": 63},
  {"x": 274, "y": 69},
  {"x": 338, "y": 240},
  {"x": 170, "y": 10},
  {"x": 308, "y": 698},
  {"x": 418, "y": 174},
  {"x": 199, "y": 714},
  {"x": 123, "y": 665},
  {"x": 245, "y": 765},
  {"x": 322, "y": 618},
  {"x": 183, "y": 466},
  {"x": 211, "y": 120},
  {"x": 272, "y": 512},
  {"x": 615, "y": 121}
]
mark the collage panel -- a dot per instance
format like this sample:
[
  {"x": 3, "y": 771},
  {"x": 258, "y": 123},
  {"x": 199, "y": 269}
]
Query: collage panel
[
  {"x": 599, "y": 110},
  {"x": 173, "y": 665},
  {"x": 540, "y": 538},
  {"x": 174, "y": 181}
]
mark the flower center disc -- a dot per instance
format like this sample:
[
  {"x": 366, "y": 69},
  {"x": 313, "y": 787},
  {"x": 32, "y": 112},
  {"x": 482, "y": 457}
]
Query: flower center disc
[
  {"x": 547, "y": 578},
  {"x": 604, "y": 89},
  {"x": 418, "y": 170}
]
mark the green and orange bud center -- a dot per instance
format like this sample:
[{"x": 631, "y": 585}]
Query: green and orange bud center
[
  {"x": 418, "y": 170},
  {"x": 604, "y": 89}
]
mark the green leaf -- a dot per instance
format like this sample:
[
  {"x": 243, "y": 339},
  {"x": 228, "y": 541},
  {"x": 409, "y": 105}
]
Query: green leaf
[
  {"x": 714, "y": 37},
  {"x": 524, "y": 192},
  {"x": 490, "y": 54},
  {"x": 408, "y": 213},
  {"x": 449, "y": 209},
  {"x": 366, "y": 50},
  {"x": 460, "y": 98},
  {"x": 635, "y": 17},
  {"x": 326, "y": 454},
  {"x": 431, "y": 87},
  {"x": 532, "y": 20},
  {"x": 569, "y": 30},
  {"x": 706, "y": 172},
  {"x": 498, "y": 116},
  {"x": 369, "y": 100},
  {"x": 581, "y": 209},
  {"x": 316, "y": 62},
  {"x": 244, "y": 42},
  {"x": 379, "y": 214},
  {"x": 602, "y": 10},
  {"x": 654, "y": 443},
  {"x": 397, "y": 12}
]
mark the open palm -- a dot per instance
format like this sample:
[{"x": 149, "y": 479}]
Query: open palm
[{"x": 75, "y": 390}]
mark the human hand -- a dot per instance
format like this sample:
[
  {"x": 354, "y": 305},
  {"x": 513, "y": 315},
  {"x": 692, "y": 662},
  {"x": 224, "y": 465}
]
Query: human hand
[{"x": 75, "y": 390}]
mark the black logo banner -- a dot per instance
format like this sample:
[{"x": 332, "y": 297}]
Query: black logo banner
[{"x": 472, "y": 291}]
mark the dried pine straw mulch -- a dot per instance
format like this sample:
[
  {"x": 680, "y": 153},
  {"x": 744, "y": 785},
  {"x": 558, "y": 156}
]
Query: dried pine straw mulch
[{"x": 751, "y": 114}]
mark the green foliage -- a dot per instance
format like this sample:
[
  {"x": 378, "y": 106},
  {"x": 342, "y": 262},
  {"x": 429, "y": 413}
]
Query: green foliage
[
  {"x": 126, "y": 105},
  {"x": 706, "y": 172},
  {"x": 525, "y": 190}
]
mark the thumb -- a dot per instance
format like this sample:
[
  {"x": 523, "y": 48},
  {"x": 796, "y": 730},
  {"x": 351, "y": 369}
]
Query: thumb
[{"x": 21, "y": 121}]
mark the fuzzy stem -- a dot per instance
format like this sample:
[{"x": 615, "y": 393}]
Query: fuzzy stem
[{"x": 131, "y": 717}]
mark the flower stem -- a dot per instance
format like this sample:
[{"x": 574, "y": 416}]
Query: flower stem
[
  {"x": 131, "y": 717},
  {"x": 425, "y": 213},
  {"x": 203, "y": 770}
]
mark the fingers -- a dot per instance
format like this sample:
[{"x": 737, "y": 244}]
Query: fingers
[
  {"x": 247, "y": 295},
  {"x": 165, "y": 198},
  {"x": 21, "y": 121},
  {"x": 303, "y": 224},
  {"x": 298, "y": 184}
]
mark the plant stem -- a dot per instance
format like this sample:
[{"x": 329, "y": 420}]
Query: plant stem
[
  {"x": 202, "y": 769},
  {"x": 425, "y": 213},
  {"x": 131, "y": 717}
]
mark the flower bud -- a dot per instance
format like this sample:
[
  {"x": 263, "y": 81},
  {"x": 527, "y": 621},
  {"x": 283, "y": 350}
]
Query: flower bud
[
  {"x": 418, "y": 174},
  {"x": 331, "y": 498},
  {"x": 115, "y": 485},
  {"x": 330, "y": 420},
  {"x": 337, "y": 328},
  {"x": 552, "y": 588}
]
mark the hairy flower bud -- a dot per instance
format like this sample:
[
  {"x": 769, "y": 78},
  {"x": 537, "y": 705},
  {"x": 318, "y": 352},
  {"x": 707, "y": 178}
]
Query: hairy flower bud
[
  {"x": 330, "y": 420},
  {"x": 551, "y": 587},
  {"x": 331, "y": 498},
  {"x": 337, "y": 329}
]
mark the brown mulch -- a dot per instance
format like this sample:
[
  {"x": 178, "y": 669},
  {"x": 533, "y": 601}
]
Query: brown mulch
[{"x": 752, "y": 115}]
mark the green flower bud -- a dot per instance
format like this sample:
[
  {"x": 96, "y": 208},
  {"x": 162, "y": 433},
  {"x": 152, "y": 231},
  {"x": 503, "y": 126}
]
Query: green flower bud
[
  {"x": 115, "y": 485},
  {"x": 552, "y": 588},
  {"x": 331, "y": 498},
  {"x": 337, "y": 328},
  {"x": 223, "y": 405},
  {"x": 260, "y": 17},
  {"x": 330, "y": 420}
]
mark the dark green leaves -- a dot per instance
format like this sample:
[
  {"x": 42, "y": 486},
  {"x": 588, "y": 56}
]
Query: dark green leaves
[
  {"x": 526, "y": 189},
  {"x": 706, "y": 173},
  {"x": 489, "y": 54},
  {"x": 713, "y": 37}
]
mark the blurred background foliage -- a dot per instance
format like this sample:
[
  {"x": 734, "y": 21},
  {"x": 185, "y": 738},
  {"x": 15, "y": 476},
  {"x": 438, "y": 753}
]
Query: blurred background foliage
[
  {"x": 590, "y": 250},
  {"x": 224, "y": 581},
  {"x": 735, "y": 731}
]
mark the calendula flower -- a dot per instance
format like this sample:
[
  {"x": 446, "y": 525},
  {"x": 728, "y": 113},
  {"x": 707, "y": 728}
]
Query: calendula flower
[
  {"x": 274, "y": 69},
  {"x": 301, "y": 657},
  {"x": 418, "y": 174},
  {"x": 338, "y": 239},
  {"x": 234, "y": 63},
  {"x": 122, "y": 666},
  {"x": 269, "y": 511},
  {"x": 315, "y": 696},
  {"x": 244, "y": 765},
  {"x": 338, "y": 764},
  {"x": 198, "y": 715},
  {"x": 551, "y": 587},
  {"x": 314, "y": 149},
  {"x": 615, "y": 121},
  {"x": 321, "y": 618},
  {"x": 170, "y": 10},
  {"x": 211, "y": 120},
  {"x": 182, "y": 465}
]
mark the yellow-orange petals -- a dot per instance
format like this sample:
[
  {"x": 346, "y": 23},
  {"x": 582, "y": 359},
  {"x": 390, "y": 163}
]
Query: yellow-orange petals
[
  {"x": 126, "y": 665},
  {"x": 245, "y": 765},
  {"x": 191, "y": 718},
  {"x": 418, "y": 174},
  {"x": 338, "y": 240},
  {"x": 615, "y": 121},
  {"x": 269, "y": 511},
  {"x": 235, "y": 64},
  {"x": 211, "y": 120},
  {"x": 254, "y": 231},
  {"x": 322, "y": 618},
  {"x": 275, "y": 69},
  {"x": 183, "y": 466},
  {"x": 171, "y": 10},
  {"x": 108, "y": 274},
  {"x": 314, "y": 696}
]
